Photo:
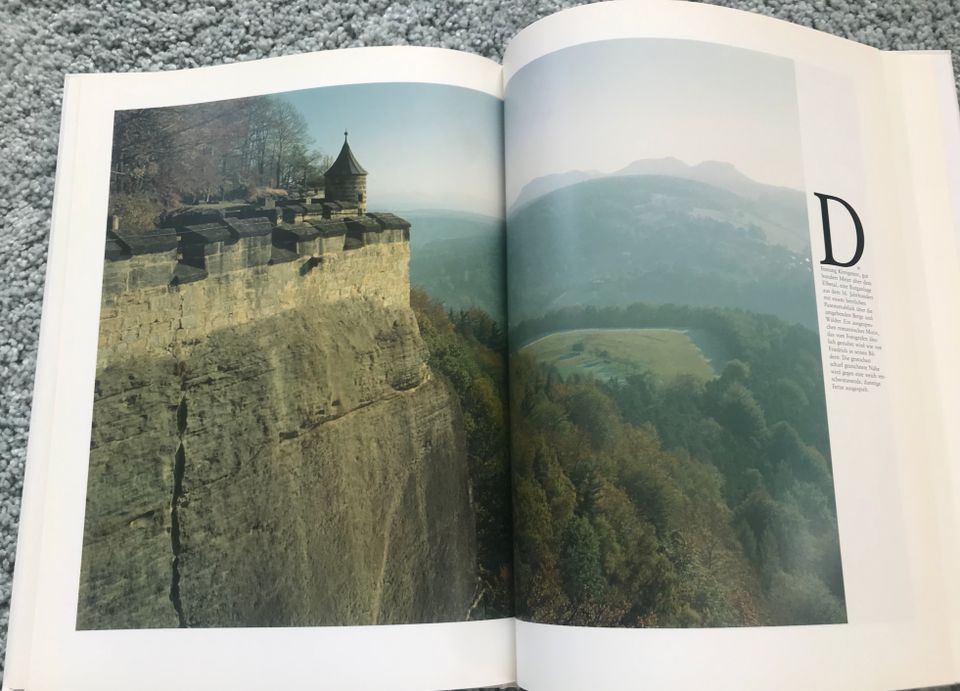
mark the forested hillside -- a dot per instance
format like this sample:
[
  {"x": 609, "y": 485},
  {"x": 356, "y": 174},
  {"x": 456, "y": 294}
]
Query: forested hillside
[
  {"x": 458, "y": 258},
  {"x": 684, "y": 502},
  {"x": 468, "y": 348}
]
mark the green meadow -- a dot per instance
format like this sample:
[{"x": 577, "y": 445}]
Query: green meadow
[{"x": 615, "y": 354}]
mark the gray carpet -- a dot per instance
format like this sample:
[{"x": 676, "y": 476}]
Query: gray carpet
[{"x": 42, "y": 41}]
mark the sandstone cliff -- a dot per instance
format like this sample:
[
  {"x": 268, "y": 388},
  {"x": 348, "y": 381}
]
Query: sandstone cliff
[{"x": 270, "y": 448}]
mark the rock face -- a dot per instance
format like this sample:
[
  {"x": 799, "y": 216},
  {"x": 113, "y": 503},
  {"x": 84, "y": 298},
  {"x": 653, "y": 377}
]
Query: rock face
[{"x": 297, "y": 464}]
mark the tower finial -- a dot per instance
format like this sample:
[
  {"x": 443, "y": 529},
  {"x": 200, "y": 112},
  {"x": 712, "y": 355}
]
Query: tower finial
[{"x": 344, "y": 136}]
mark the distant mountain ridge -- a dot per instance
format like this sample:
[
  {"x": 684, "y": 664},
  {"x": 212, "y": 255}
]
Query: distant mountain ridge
[
  {"x": 720, "y": 174},
  {"x": 458, "y": 258},
  {"x": 780, "y": 211},
  {"x": 660, "y": 239}
]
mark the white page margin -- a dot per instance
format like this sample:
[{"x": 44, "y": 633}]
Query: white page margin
[{"x": 933, "y": 148}]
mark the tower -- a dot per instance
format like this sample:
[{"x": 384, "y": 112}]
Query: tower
[{"x": 346, "y": 180}]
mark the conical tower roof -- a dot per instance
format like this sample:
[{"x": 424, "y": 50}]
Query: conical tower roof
[{"x": 346, "y": 163}]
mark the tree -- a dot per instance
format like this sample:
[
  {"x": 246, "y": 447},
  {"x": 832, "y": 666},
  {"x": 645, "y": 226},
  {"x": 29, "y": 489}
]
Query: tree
[
  {"x": 580, "y": 561},
  {"x": 595, "y": 414},
  {"x": 735, "y": 408},
  {"x": 204, "y": 151},
  {"x": 288, "y": 132}
]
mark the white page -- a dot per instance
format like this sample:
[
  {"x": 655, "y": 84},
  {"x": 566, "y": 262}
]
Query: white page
[
  {"x": 887, "y": 443},
  {"x": 46, "y": 651},
  {"x": 921, "y": 81}
]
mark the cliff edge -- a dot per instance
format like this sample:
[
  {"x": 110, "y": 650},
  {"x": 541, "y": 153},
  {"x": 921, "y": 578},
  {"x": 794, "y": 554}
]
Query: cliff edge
[{"x": 270, "y": 448}]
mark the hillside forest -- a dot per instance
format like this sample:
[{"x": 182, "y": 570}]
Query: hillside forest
[
  {"x": 676, "y": 502},
  {"x": 468, "y": 347}
]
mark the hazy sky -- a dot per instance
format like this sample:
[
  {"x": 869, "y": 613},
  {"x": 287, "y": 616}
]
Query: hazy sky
[
  {"x": 423, "y": 145},
  {"x": 600, "y": 106}
]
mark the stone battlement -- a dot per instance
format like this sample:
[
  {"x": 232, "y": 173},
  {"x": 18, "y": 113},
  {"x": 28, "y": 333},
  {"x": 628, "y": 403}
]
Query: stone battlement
[
  {"x": 195, "y": 245},
  {"x": 170, "y": 288}
]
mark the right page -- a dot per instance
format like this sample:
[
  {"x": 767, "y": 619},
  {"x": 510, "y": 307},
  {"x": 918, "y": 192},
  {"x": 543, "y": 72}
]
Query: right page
[{"x": 732, "y": 268}]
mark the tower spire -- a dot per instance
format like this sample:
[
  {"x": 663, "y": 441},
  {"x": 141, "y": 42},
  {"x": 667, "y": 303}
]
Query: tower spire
[{"x": 346, "y": 180}]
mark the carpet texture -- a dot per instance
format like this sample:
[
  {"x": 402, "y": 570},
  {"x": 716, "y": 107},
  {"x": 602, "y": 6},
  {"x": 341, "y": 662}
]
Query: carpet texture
[{"x": 40, "y": 42}]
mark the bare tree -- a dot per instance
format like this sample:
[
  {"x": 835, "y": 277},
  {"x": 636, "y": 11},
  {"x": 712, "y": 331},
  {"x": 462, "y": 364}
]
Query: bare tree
[
  {"x": 289, "y": 130},
  {"x": 197, "y": 152}
]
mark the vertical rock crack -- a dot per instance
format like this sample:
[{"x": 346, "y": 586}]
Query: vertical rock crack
[{"x": 179, "y": 464}]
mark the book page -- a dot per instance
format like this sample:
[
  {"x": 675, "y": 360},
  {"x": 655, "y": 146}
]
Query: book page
[
  {"x": 269, "y": 442},
  {"x": 717, "y": 311},
  {"x": 932, "y": 148}
]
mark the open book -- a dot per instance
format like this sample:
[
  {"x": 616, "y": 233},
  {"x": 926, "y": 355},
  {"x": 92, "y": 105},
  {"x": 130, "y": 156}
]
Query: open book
[{"x": 628, "y": 363}]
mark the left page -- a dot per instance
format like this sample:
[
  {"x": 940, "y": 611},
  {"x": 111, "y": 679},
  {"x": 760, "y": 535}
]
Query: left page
[{"x": 268, "y": 439}]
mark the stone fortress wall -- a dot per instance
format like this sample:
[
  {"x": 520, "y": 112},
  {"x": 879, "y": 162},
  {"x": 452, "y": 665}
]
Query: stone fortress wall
[{"x": 174, "y": 286}]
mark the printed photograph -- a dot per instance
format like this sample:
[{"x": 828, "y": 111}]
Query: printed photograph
[
  {"x": 671, "y": 452},
  {"x": 299, "y": 410}
]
